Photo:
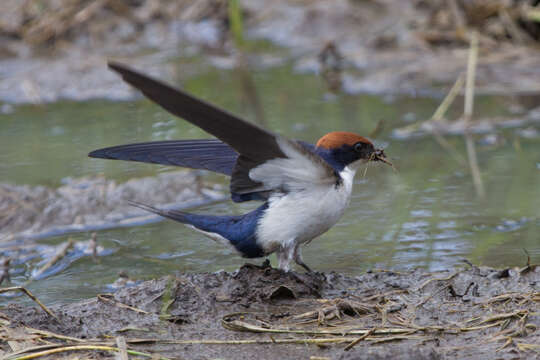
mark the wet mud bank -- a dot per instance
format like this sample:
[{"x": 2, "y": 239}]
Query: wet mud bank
[
  {"x": 473, "y": 312},
  {"x": 95, "y": 203}
]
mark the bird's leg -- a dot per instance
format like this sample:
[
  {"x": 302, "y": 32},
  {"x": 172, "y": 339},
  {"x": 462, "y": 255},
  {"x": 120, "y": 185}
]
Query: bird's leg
[
  {"x": 285, "y": 256},
  {"x": 298, "y": 258}
]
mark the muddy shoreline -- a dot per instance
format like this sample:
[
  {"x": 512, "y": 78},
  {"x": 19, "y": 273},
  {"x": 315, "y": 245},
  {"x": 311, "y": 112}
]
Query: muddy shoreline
[
  {"x": 256, "y": 311},
  {"x": 96, "y": 203}
]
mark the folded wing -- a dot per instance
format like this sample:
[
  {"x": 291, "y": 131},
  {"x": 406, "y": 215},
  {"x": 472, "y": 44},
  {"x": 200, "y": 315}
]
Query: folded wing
[{"x": 300, "y": 169}]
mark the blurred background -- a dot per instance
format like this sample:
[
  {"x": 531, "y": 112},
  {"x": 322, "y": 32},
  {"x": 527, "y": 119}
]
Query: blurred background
[{"x": 451, "y": 89}]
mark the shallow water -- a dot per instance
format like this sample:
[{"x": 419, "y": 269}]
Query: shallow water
[{"x": 426, "y": 214}]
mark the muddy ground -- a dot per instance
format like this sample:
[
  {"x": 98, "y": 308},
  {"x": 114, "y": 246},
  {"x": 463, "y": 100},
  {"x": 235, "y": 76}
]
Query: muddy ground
[
  {"x": 465, "y": 313},
  {"x": 52, "y": 49}
]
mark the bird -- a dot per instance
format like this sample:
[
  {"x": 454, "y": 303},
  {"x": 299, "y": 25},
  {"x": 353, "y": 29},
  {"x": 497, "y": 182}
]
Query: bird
[{"x": 304, "y": 188}]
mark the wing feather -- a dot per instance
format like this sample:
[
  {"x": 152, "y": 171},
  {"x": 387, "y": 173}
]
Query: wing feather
[
  {"x": 263, "y": 161},
  {"x": 254, "y": 145},
  {"x": 208, "y": 154}
]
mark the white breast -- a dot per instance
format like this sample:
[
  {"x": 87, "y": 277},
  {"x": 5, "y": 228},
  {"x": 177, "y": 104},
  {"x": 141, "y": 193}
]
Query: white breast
[{"x": 300, "y": 216}]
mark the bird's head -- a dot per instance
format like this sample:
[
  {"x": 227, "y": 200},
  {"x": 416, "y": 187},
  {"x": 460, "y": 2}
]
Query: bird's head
[{"x": 349, "y": 149}]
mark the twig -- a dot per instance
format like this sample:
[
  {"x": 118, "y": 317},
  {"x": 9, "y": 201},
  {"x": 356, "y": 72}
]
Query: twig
[
  {"x": 469, "y": 104},
  {"x": 331, "y": 340},
  {"x": 443, "y": 106},
  {"x": 31, "y": 296},
  {"x": 438, "y": 116},
  {"x": 57, "y": 257},
  {"x": 448, "y": 99},
  {"x": 363, "y": 337},
  {"x": 471, "y": 75}
]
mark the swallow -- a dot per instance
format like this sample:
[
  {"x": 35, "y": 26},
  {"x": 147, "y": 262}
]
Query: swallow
[{"x": 304, "y": 188}]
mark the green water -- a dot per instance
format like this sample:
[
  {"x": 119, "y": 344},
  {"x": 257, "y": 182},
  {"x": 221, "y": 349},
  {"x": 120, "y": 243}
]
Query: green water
[{"x": 425, "y": 215}]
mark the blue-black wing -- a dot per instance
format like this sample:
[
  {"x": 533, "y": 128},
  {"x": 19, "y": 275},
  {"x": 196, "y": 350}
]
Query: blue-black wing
[
  {"x": 207, "y": 154},
  {"x": 264, "y": 163}
]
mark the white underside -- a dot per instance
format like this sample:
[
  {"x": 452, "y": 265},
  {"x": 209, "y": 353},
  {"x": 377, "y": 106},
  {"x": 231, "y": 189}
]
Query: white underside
[
  {"x": 214, "y": 236},
  {"x": 305, "y": 201},
  {"x": 299, "y": 216}
]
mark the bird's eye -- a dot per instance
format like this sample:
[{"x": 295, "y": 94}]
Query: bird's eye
[{"x": 358, "y": 147}]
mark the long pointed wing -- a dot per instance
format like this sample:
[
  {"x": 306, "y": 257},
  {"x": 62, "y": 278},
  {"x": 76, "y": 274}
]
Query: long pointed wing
[
  {"x": 266, "y": 162},
  {"x": 254, "y": 144},
  {"x": 208, "y": 154}
]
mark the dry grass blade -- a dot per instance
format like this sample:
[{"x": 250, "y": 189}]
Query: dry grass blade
[
  {"x": 363, "y": 337},
  {"x": 497, "y": 317},
  {"x": 49, "y": 334},
  {"x": 79, "y": 348},
  {"x": 337, "y": 305},
  {"x": 399, "y": 337},
  {"x": 31, "y": 296},
  {"x": 237, "y": 325},
  {"x": 528, "y": 347},
  {"x": 514, "y": 296},
  {"x": 332, "y": 340},
  {"x": 109, "y": 298}
]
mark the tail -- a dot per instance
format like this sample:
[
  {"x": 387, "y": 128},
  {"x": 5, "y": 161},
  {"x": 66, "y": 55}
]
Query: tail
[
  {"x": 236, "y": 230},
  {"x": 175, "y": 215}
]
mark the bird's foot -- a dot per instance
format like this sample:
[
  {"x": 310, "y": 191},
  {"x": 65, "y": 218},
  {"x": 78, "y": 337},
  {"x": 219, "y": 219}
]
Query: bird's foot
[
  {"x": 303, "y": 264},
  {"x": 265, "y": 265}
]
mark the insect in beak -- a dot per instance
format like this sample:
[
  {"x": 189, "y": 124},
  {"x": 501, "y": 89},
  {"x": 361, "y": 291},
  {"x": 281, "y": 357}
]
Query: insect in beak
[{"x": 379, "y": 155}]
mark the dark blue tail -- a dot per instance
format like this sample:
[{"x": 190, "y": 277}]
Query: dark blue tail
[{"x": 240, "y": 230}]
